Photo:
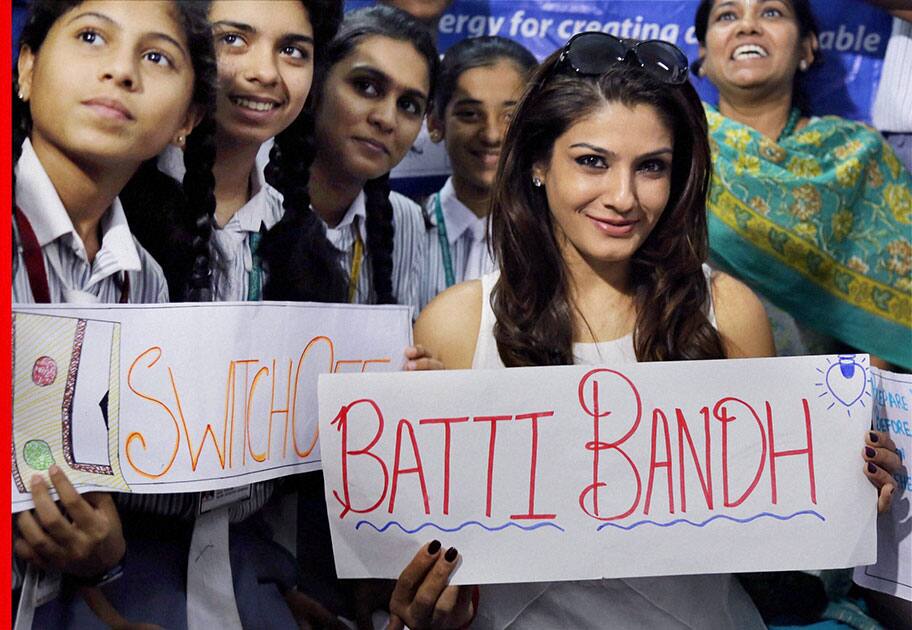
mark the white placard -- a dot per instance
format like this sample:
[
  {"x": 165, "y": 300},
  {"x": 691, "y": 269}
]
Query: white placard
[
  {"x": 182, "y": 397},
  {"x": 577, "y": 472},
  {"x": 893, "y": 572}
]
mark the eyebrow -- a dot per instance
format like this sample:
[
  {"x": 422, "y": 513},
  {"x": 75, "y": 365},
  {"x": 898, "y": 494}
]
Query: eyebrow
[
  {"x": 114, "y": 23},
  {"x": 379, "y": 75},
  {"x": 247, "y": 28},
  {"x": 607, "y": 153},
  {"x": 475, "y": 101}
]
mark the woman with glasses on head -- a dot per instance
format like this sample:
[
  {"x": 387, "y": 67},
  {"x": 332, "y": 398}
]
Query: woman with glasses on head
[
  {"x": 599, "y": 224},
  {"x": 812, "y": 212}
]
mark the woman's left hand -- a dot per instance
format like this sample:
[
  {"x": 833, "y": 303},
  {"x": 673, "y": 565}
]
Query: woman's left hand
[
  {"x": 420, "y": 359},
  {"x": 881, "y": 462}
]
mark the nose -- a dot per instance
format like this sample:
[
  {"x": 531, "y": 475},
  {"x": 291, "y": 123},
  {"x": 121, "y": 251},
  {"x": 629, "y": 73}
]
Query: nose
[
  {"x": 748, "y": 22},
  {"x": 383, "y": 114},
  {"x": 492, "y": 130},
  {"x": 262, "y": 66},
  {"x": 620, "y": 193},
  {"x": 122, "y": 69}
]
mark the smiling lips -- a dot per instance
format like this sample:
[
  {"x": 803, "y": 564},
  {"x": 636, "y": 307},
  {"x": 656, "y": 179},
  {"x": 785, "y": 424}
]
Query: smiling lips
[
  {"x": 749, "y": 51},
  {"x": 613, "y": 227},
  {"x": 109, "y": 108},
  {"x": 374, "y": 146},
  {"x": 487, "y": 158},
  {"x": 254, "y": 104}
]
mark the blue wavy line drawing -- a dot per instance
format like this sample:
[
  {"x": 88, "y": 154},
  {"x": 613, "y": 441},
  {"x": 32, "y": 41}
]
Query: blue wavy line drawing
[
  {"x": 527, "y": 528},
  {"x": 678, "y": 521}
]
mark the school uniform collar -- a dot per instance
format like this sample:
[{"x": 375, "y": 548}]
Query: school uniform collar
[
  {"x": 37, "y": 198},
  {"x": 458, "y": 217},
  {"x": 358, "y": 210}
]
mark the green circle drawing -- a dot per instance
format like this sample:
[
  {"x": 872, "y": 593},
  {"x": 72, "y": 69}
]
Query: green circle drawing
[{"x": 38, "y": 455}]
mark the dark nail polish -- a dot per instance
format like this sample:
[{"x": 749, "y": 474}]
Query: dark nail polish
[
  {"x": 450, "y": 554},
  {"x": 873, "y": 437},
  {"x": 872, "y": 468},
  {"x": 870, "y": 452},
  {"x": 434, "y": 547}
]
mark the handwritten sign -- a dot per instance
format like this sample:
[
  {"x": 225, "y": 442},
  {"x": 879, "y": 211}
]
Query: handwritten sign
[
  {"x": 892, "y": 397},
  {"x": 578, "y": 472},
  {"x": 179, "y": 398}
]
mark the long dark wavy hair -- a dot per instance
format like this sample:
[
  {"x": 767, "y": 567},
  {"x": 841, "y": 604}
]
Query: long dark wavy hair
[
  {"x": 302, "y": 264},
  {"x": 807, "y": 25},
  {"x": 200, "y": 149},
  {"x": 531, "y": 300},
  {"x": 384, "y": 21}
]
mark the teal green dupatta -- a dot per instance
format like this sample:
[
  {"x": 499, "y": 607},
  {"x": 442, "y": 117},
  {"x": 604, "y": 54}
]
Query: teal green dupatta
[{"x": 820, "y": 224}]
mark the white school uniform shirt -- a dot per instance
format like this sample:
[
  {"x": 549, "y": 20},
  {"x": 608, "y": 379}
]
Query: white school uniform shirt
[
  {"x": 232, "y": 257},
  {"x": 681, "y": 601},
  {"x": 408, "y": 248},
  {"x": 70, "y": 276},
  {"x": 893, "y": 106},
  {"x": 468, "y": 237}
]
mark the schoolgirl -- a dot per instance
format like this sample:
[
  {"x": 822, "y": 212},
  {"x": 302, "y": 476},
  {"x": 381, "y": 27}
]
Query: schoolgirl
[
  {"x": 480, "y": 82},
  {"x": 101, "y": 87},
  {"x": 371, "y": 96}
]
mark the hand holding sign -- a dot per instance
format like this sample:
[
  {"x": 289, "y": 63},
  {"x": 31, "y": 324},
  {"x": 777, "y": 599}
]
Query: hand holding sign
[{"x": 422, "y": 597}]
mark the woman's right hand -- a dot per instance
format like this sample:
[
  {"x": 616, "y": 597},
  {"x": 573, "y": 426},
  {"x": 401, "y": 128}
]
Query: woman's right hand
[{"x": 422, "y": 597}]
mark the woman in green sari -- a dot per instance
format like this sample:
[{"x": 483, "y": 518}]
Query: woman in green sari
[{"x": 814, "y": 213}]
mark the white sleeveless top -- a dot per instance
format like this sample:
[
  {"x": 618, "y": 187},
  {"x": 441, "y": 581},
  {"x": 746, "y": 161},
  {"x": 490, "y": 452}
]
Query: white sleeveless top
[{"x": 685, "y": 601}]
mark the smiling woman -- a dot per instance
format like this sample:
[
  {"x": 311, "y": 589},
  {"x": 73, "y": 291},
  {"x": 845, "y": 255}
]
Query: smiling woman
[{"x": 812, "y": 212}]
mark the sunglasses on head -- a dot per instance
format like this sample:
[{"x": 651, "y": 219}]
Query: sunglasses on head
[{"x": 593, "y": 53}]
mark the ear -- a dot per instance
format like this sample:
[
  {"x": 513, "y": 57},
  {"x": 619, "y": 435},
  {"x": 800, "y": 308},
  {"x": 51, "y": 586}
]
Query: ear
[
  {"x": 701, "y": 60},
  {"x": 193, "y": 118},
  {"x": 540, "y": 170},
  {"x": 25, "y": 65},
  {"x": 436, "y": 128},
  {"x": 809, "y": 48}
]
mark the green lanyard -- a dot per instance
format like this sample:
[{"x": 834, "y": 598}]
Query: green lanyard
[
  {"x": 444, "y": 243},
  {"x": 255, "y": 275}
]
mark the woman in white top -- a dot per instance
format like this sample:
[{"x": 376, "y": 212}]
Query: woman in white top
[
  {"x": 102, "y": 87},
  {"x": 599, "y": 224},
  {"x": 371, "y": 96},
  {"x": 479, "y": 83}
]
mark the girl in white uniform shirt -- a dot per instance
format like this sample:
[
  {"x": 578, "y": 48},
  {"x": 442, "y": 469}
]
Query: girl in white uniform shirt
[
  {"x": 101, "y": 87},
  {"x": 371, "y": 97},
  {"x": 599, "y": 224},
  {"x": 479, "y": 83}
]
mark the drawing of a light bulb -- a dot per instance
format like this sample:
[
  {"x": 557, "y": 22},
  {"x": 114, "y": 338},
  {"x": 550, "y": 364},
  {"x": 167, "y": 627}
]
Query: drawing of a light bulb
[{"x": 847, "y": 385}]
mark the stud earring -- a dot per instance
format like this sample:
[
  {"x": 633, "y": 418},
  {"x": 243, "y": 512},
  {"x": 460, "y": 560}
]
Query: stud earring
[
  {"x": 435, "y": 136},
  {"x": 803, "y": 65},
  {"x": 21, "y": 97},
  {"x": 180, "y": 141},
  {"x": 536, "y": 182}
]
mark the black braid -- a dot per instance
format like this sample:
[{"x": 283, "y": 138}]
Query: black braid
[
  {"x": 301, "y": 262},
  {"x": 199, "y": 188},
  {"x": 380, "y": 232}
]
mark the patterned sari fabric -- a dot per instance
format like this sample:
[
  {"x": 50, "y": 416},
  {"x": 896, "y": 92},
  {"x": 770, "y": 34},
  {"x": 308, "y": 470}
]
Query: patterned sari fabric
[{"x": 819, "y": 222}]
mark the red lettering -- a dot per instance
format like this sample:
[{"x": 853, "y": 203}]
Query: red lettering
[
  {"x": 416, "y": 469},
  {"x": 596, "y": 445},
  {"x": 341, "y": 420},
  {"x": 720, "y": 411},
  {"x": 808, "y": 450},
  {"x": 491, "y": 443},
  {"x": 446, "y": 422},
  {"x": 665, "y": 463},
  {"x": 533, "y": 459},
  {"x": 705, "y": 482}
]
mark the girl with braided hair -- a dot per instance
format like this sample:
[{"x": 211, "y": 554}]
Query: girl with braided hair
[
  {"x": 101, "y": 86},
  {"x": 372, "y": 93}
]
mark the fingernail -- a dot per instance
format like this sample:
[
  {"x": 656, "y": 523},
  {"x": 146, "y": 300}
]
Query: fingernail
[
  {"x": 873, "y": 437},
  {"x": 434, "y": 547},
  {"x": 36, "y": 479},
  {"x": 450, "y": 554},
  {"x": 872, "y": 468},
  {"x": 54, "y": 469},
  {"x": 870, "y": 452}
]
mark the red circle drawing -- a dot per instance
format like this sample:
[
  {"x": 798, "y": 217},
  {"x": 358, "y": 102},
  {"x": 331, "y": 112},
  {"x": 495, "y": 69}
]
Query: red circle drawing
[{"x": 44, "y": 371}]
